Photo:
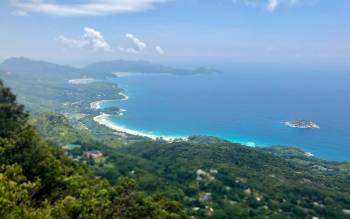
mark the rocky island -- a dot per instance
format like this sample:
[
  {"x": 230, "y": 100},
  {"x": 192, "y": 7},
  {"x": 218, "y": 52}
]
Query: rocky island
[{"x": 302, "y": 124}]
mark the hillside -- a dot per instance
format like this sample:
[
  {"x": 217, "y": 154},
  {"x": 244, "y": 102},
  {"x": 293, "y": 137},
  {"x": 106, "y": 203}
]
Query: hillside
[
  {"x": 43, "y": 86},
  {"x": 47, "y": 87},
  {"x": 39, "y": 70},
  {"x": 213, "y": 178},
  {"x": 45, "y": 71},
  {"x": 39, "y": 181},
  {"x": 236, "y": 181}
]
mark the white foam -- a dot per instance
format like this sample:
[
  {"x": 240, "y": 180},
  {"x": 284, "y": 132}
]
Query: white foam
[
  {"x": 308, "y": 154},
  {"x": 250, "y": 144},
  {"x": 121, "y": 112},
  {"x": 96, "y": 105},
  {"x": 125, "y": 97},
  {"x": 103, "y": 119}
]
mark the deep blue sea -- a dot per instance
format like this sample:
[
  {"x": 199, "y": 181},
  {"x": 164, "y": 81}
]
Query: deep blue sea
[{"x": 244, "y": 105}]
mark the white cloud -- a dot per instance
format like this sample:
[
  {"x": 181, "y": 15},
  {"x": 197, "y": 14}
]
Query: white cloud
[
  {"x": 90, "y": 39},
  {"x": 91, "y": 7},
  {"x": 272, "y": 5},
  {"x": 159, "y": 50},
  {"x": 96, "y": 39},
  {"x": 138, "y": 45}
]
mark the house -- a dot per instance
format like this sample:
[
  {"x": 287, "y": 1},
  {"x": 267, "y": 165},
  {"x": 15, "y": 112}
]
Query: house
[
  {"x": 93, "y": 154},
  {"x": 204, "y": 197}
]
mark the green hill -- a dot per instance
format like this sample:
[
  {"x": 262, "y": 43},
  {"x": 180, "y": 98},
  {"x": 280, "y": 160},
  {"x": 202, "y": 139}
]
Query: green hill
[
  {"x": 39, "y": 181},
  {"x": 237, "y": 181},
  {"x": 232, "y": 180},
  {"x": 39, "y": 70}
]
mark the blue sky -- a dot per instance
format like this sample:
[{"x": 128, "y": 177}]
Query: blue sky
[{"x": 178, "y": 31}]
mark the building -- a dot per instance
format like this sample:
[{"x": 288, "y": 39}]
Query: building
[{"x": 93, "y": 154}]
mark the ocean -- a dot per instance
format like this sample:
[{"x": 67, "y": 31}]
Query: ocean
[{"x": 243, "y": 105}]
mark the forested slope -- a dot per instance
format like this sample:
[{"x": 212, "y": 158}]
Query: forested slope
[
  {"x": 214, "y": 178},
  {"x": 38, "y": 181}
]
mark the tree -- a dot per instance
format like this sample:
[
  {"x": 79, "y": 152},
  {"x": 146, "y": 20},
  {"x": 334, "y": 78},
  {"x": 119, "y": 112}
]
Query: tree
[{"x": 39, "y": 181}]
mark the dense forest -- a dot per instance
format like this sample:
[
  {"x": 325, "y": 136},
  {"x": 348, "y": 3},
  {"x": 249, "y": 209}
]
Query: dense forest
[{"x": 39, "y": 181}]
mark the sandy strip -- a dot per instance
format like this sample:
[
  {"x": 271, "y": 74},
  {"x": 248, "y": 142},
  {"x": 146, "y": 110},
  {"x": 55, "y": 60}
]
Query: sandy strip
[
  {"x": 96, "y": 105},
  {"x": 125, "y": 97},
  {"x": 103, "y": 120},
  {"x": 78, "y": 81}
]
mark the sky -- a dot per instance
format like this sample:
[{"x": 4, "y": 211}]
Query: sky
[{"x": 183, "y": 32}]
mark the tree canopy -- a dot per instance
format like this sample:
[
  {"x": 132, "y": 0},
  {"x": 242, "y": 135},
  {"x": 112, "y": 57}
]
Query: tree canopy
[{"x": 40, "y": 181}]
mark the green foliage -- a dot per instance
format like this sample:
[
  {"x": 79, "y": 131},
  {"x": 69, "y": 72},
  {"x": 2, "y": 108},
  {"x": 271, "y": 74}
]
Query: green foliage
[
  {"x": 247, "y": 182},
  {"x": 13, "y": 115},
  {"x": 39, "y": 181},
  {"x": 242, "y": 182},
  {"x": 16, "y": 192}
]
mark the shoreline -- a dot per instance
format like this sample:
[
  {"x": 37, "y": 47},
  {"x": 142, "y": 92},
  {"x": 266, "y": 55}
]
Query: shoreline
[
  {"x": 97, "y": 105},
  {"x": 79, "y": 81},
  {"x": 103, "y": 120},
  {"x": 124, "y": 96}
]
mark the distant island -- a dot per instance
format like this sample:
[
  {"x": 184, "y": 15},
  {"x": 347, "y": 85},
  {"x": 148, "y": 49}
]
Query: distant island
[
  {"x": 302, "y": 124},
  {"x": 123, "y": 66}
]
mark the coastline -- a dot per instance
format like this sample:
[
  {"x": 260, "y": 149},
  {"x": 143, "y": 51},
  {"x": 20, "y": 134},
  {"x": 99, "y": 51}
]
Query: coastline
[
  {"x": 79, "y": 81},
  {"x": 124, "y": 96},
  {"x": 97, "y": 105},
  {"x": 103, "y": 119}
]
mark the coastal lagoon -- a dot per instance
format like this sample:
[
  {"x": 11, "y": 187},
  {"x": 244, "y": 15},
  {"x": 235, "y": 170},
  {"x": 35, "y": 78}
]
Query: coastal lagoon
[{"x": 248, "y": 106}]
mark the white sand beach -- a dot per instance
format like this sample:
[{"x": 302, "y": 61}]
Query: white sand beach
[
  {"x": 96, "y": 105},
  {"x": 125, "y": 97},
  {"x": 81, "y": 81},
  {"x": 103, "y": 120}
]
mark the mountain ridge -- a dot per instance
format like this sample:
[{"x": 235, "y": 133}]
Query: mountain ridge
[
  {"x": 38, "y": 69},
  {"x": 142, "y": 66}
]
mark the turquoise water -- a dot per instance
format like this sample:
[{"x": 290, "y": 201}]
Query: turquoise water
[
  {"x": 71, "y": 146},
  {"x": 244, "y": 105}
]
